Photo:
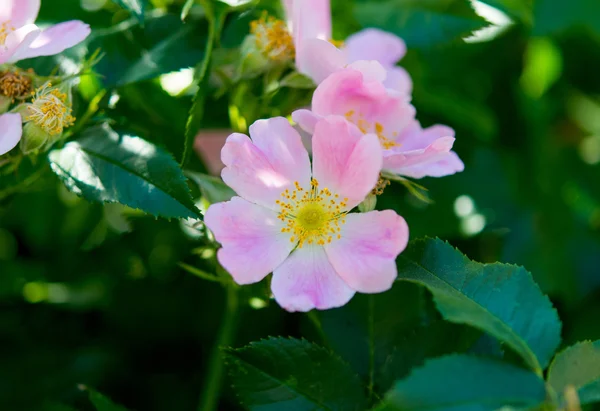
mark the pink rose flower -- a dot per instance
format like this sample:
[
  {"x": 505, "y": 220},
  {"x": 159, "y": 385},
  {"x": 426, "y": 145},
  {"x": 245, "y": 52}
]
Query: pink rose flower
[
  {"x": 295, "y": 222},
  {"x": 317, "y": 57},
  {"x": 358, "y": 93},
  {"x": 10, "y": 132},
  {"x": 21, "y": 39}
]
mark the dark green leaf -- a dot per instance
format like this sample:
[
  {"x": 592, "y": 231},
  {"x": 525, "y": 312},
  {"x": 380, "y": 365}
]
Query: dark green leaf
[
  {"x": 553, "y": 16},
  {"x": 579, "y": 366},
  {"x": 135, "y": 7},
  {"x": 519, "y": 9},
  {"x": 421, "y": 23},
  {"x": 288, "y": 374},
  {"x": 116, "y": 167},
  {"x": 216, "y": 16},
  {"x": 500, "y": 299},
  {"x": 464, "y": 383},
  {"x": 104, "y": 404},
  {"x": 212, "y": 188},
  {"x": 133, "y": 53}
]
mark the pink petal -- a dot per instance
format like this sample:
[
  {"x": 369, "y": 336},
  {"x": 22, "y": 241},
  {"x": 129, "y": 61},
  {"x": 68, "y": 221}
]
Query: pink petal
[
  {"x": 318, "y": 59},
  {"x": 260, "y": 169},
  {"x": 19, "y": 12},
  {"x": 306, "y": 280},
  {"x": 436, "y": 160},
  {"x": 370, "y": 69},
  {"x": 253, "y": 245},
  {"x": 375, "y": 44},
  {"x": 17, "y": 43},
  {"x": 365, "y": 256},
  {"x": 10, "y": 132},
  {"x": 57, "y": 39},
  {"x": 288, "y": 8},
  {"x": 414, "y": 137},
  {"x": 311, "y": 19},
  {"x": 344, "y": 160},
  {"x": 398, "y": 79},
  {"x": 306, "y": 119}
]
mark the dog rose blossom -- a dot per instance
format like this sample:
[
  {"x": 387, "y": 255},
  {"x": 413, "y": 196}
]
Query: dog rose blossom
[
  {"x": 358, "y": 93},
  {"x": 317, "y": 56},
  {"x": 296, "y": 222},
  {"x": 21, "y": 39},
  {"x": 10, "y": 132}
]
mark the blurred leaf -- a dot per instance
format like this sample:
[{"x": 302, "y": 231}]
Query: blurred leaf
[
  {"x": 543, "y": 67},
  {"x": 213, "y": 188},
  {"x": 104, "y": 404},
  {"x": 133, "y": 53},
  {"x": 297, "y": 80},
  {"x": 185, "y": 10},
  {"x": 116, "y": 167},
  {"x": 421, "y": 23},
  {"x": 135, "y": 7},
  {"x": 500, "y": 299},
  {"x": 286, "y": 374},
  {"x": 465, "y": 383},
  {"x": 216, "y": 17},
  {"x": 520, "y": 9},
  {"x": 579, "y": 366},
  {"x": 552, "y": 16}
]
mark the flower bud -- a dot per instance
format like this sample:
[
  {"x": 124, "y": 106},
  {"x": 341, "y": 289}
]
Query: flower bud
[
  {"x": 34, "y": 138},
  {"x": 368, "y": 204},
  {"x": 5, "y": 103}
]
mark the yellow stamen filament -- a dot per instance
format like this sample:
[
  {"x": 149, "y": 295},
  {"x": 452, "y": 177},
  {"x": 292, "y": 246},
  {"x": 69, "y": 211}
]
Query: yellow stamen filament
[
  {"x": 15, "y": 85},
  {"x": 376, "y": 128},
  {"x": 5, "y": 30},
  {"x": 382, "y": 183},
  {"x": 49, "y": 110},
  {"x": 312, "y": 216},
  {"x": 273, "y": 38}
]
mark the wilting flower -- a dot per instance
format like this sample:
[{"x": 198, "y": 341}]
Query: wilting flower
[
  {"x": 10, "y": 132},
  {"x": 21, "y": 39},
  {"x": 359, "y": 95},
  {"x": 296, "y": 223},
  {"x": 317, "y": 56}
]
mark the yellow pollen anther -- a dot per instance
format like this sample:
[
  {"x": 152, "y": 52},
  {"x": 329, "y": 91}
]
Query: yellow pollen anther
[
  {"x": 273, "y": 38},
  {"x": 382, "y": 183},
  {"x": 5, "y": 30},
  {"x": 312, "y": 216},
  {"x": 368, "y": 127},
  {"x": 15, "y": 85},
  {"x": 49, "y": 110}
]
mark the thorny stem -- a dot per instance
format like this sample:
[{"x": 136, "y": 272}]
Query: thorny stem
[{"x": 209, "y": 397}]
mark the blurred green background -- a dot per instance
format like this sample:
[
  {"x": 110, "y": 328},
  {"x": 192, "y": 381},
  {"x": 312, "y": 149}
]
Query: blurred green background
[{"x": 93, "y": 294}]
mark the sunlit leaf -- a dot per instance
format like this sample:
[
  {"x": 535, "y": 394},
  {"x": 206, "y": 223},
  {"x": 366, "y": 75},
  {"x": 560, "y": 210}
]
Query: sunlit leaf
[{"x": 117, "y": 167}]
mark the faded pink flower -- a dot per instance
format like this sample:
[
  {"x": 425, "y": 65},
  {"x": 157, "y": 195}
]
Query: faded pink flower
[
  {"x": 317, "y": 57},
  {"x": 296, "y": 223},
  {"x": 10, "y": 132},
  {"x": 358, "y": 93},
  {"x": 21, "y": 39}
]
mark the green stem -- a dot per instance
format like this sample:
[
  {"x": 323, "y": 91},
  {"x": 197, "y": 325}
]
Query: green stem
[{"x": 209, "y": 398}]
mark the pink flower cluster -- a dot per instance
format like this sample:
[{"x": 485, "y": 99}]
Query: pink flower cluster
[
  {"x": 21, "y": 39},
  {"x": 294, "y": 219}
]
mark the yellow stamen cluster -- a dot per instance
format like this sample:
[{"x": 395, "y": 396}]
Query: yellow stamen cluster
[
  {"x": 312, "y": 216},
  {"x": 273, "y": 38},
  {"x": 376, "y": 128},
  {"x": 5, "y": 30},
  {"x": 338, "y": 43},
  {"x": 49, "y": 110},
  {"x": 15, "y": 85},
  {"x": 382, "y": 183}
]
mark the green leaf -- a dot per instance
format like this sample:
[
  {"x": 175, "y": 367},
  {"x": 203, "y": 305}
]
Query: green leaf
[
  {"x": 464, "y": 383},
  {"x": 135, "y": 7},
  {"x": 216, "y": 17},
  {"x": 500, "y": 299},
  {"x": 519, "y": 9},
  {"x": 288, "y": 374},
  {"x": 187, "y": 7},
  {"x": 297, "y": 80},
  {"x": 133, "y": 52},
  {"x": 108, "y": 166},
  {"x": 421, "y": 23},
  {"x": 212, "y": 188},
  {"x": 552, "y": 16},
  {"x": 579, "y": 366},
  {"x": 104, "y": 404}
]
